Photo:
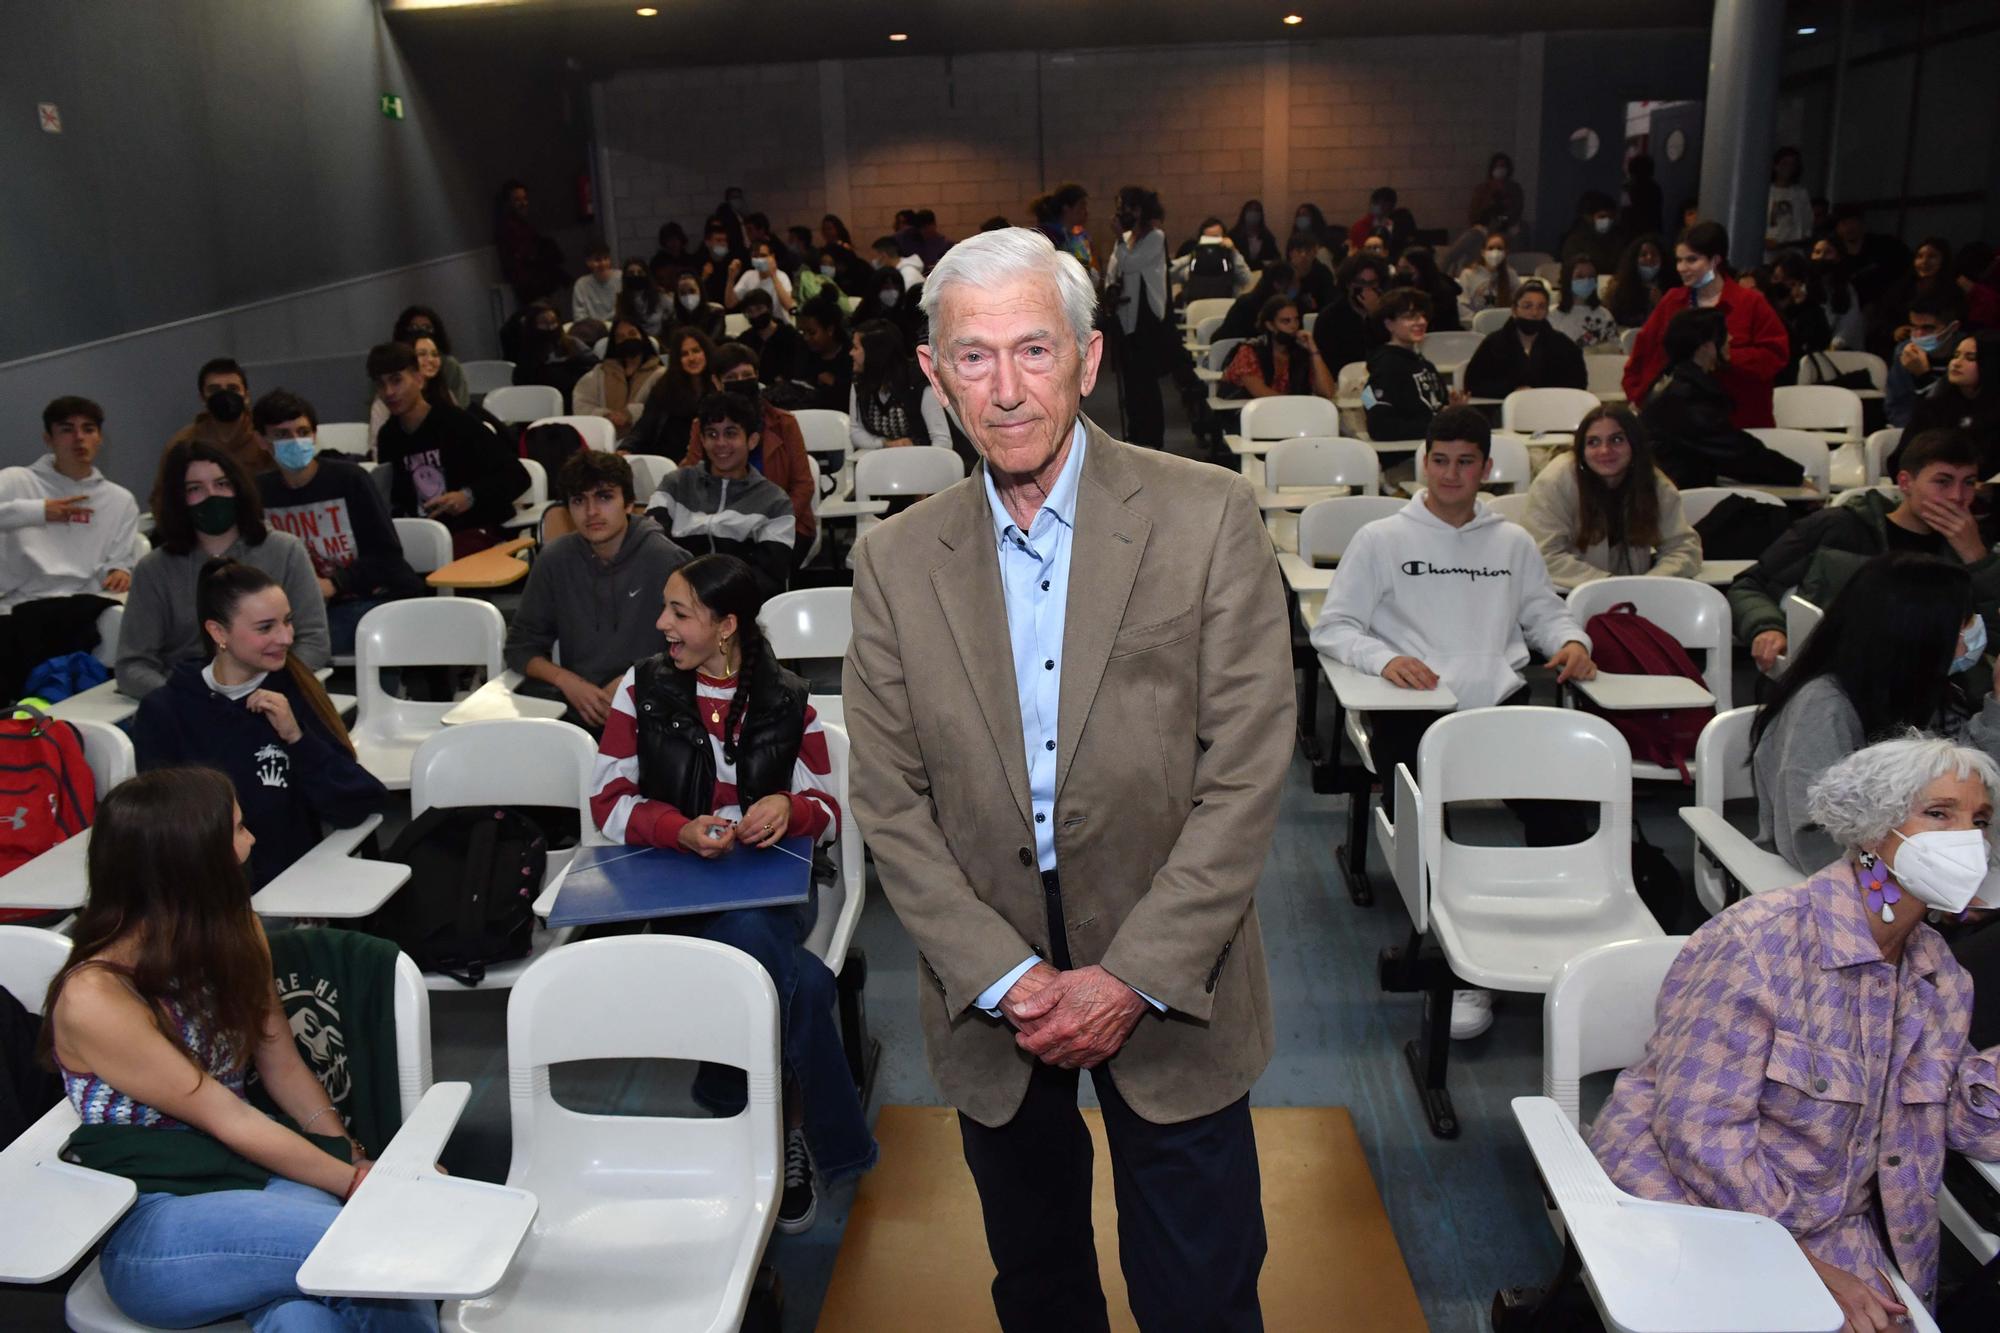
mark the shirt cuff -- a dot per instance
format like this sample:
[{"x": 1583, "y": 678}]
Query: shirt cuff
[
  {"x": 1147, "y": 998},
  {"x": 989, "y": 999}
]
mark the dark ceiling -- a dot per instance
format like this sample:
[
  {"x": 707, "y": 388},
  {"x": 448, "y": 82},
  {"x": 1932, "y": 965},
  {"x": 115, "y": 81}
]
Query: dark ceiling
[{"x": 603, "y": 35}]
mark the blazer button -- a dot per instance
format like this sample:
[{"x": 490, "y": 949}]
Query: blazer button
[
  {"x": 1819, "y": 1085},
  {"x": 1026, "y": 857},
  {"x": 1893, "y": 1160}
]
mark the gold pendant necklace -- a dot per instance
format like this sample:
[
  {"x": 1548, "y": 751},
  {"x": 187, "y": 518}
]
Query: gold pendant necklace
[{"x": 715, "y": 715}]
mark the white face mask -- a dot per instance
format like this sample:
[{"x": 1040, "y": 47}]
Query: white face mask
[
  {"x": 1603, "y": 225},
  {"x": 1943, "y": 868},
  {"x": 689, "y": 300},
  {"x": 1495, "y": 258}
]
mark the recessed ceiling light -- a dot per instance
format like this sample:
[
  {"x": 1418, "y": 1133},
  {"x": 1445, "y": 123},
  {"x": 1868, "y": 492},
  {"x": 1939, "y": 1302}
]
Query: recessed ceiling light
[
  {"x": 647, "y": 12},
  {"x": 899, "y": 37},
  {"x": 1807, "y": 32},
  {"x": 1294, "y": 20}
]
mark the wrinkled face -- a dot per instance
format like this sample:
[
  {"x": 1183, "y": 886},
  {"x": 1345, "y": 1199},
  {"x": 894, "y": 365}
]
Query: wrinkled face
[
  {"x": 1010, "y": 366},
  {"x": 1948, "y": 803},
  {"x": 74, "y": 441},
  {"x": 1607, "y": 451},
  {"x": 1453, "y": 470},
  {"x": 1964, "y": 368},
  {"x": 599, "y": 513},
  {"x": 429, "y": 362},
  {"x": 727, "y": 447},
  {"x": 691, "y": 629},
  {"x": 259, "y": 634}
]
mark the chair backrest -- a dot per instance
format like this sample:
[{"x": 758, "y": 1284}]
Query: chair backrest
[
  {"x": 1511, "y": 465},
  {"x": 1451, "y": 349},
  {"x": 1322, "y": 460},
  {"x": 1491, "y": 320},
  {"x": 29, "y": 960},
  {"x": 917, "y": 470},
  {"x": 423, "y": 631},
  {"x": 1327, "y": 526},
  {"x": 1219, "y": 352},
  {"x": 1722, "y": 759},
  {"x": 1404, "y": 845},
  {"x": 1843, "y": 363},
  {"x": 1811, "y": 452},
  {"x": 671, "y": 997},
  {"x": 735, "y": 325},
  {"x": 1801, "y": 619},
  {"x": 648, "y": 471},
  {"x": 110, "y": 624},
  {"x": 537, "y": 493},
  {"x": 343, "y": 437},
  {"x": 1351, "y": 379},
  {"x": 1533, "y": 410},
  {"x": 598, "y": 432},
  {"x": 824, "y": 430},
  {"x": 809, "y": 622},
  {"x": 1599, "y": 1013},
  {"x": 1528, "y": 261},
  {"x": 1696, "y": 615},
  {"x": 1817, "y": 407},
  {"x": 1513, "y": 506},
  {"x": 426, "y": 543},
  {"x": 515, "y": 403},
  {"x": 1604, "y": 377},
  {"x": 1205, "y": 329},
  {"x": 1697, "y": 501},
  {"x": 1208, "y": 307},
  {"x": 1550, "y": 272},
  {"x": 508, "y": 761},
  {"x": 1308, "y": 320},
  {"x": 1875, "y": 454},
  {"x": 833, "y": 932},
  {"x": 108, "y": 751},
  {"x": 1291, "y": 414},
  {"x": 483, "y": 377}
]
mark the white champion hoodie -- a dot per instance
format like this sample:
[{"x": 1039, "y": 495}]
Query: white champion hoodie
[
  {"x": 1466, "y": 602},
  {"x": 40, "y": 559}
]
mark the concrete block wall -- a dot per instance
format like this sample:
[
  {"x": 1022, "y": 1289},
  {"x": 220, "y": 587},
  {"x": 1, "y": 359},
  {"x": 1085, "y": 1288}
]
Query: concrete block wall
[{"x": 975, "y": 136}]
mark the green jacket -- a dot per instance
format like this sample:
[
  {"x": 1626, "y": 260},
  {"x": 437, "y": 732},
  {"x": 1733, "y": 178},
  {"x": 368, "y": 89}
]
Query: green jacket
[{"x": 1819, "y": 553}]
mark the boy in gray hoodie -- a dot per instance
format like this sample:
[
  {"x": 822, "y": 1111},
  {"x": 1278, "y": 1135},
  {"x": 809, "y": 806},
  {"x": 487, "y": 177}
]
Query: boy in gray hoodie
[
  {"x": 598, "y": 592},
  {"x": 66, "y": 538}
]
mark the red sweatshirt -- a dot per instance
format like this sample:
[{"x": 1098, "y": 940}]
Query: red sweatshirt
[{"x": 1758, "y": 350}]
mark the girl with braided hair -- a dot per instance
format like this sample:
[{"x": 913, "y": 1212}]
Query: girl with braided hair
[{"x": 710, "y": 747}]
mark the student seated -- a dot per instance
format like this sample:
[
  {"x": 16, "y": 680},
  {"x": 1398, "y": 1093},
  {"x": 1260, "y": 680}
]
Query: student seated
[
  {"x": 886, "y": 254},
  {"x": 443, "y": 463},
  {"x": 693, "y": 310},
  {"x": 1757, "y": 346},
  {"x": 332, "y": 506},
  {"x": 1210, "y": 264},
  {"x": 1404, "y": 390},
  {"x": 1602, "y": 508},
  {"x": 1307, "y": 280},
  {"x": 224, "y": 420},
  {"x": 1931, "y": 515},
  {"x": 1690, "y": 414},
  {"x": 1525, "y": 353},
  {"x": 1959, "y": 401},
  {"x": 1447, "y": 590},
  {"x": 776, "y": 343},
  {"x": 209, "y": 508},
  {"x": 668, "y": 423},
  {"x": 66, "y": 537},
  {"x": 595, "y": 294},
  {"x": 1917, "y": 363},
  {"x": 890, "y": 297},
  {"x": 1282, "y": 359},
  {"x": 419, "y": 324},
  {"x": 891, "y": 405},
  {"x": 548, "y": 356},
  {"x": 256, "y": 713},
  {"x": 1579, "y": 314},
  {"x": 1491, "y": 282},
  {"x": 436, "y": 390},
  {"x": 616, "y": 388},
  {"x": 163, "y": 1009},
  {"x": 1810, "y": 1063},
  {"x": 711, "y": 748},
  {"x": 594, "y": 592},
  {"x": 643, "y": 300},
  {"x": 715, "y": 504},
  {"x": 764, "y": 275},
  {"x": 779, "y": 455},
  {"x": 1637, "y": 284}
]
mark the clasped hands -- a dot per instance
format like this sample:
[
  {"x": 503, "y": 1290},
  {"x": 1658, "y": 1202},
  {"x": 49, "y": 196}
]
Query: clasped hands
[{"x": 1072, "y": 1020}]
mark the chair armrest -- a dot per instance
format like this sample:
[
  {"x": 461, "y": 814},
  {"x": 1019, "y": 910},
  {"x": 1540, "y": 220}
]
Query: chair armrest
[
  {"x": 1757, "y": 870},
  {"x": 1301, "y": 576},
  {"x": 412, "y": 1233},
  {"x": 343, "y": 841},
  {"x": 334, "y": 887},
  {"x": 54, "y": 1212},
  {"x": 528, "y": 516}
]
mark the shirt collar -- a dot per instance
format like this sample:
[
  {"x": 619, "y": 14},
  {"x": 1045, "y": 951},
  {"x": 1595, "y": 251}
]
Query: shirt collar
[
  {"x": 1061, "y": 501},
  {"x": 1841, "y": 919}
]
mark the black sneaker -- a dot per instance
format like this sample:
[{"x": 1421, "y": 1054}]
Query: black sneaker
[{"x": 798, "y": 1204}]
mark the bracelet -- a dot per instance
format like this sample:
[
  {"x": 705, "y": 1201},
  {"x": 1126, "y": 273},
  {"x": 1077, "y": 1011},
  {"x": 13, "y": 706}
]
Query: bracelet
[{"x": 315, "y": 1116}]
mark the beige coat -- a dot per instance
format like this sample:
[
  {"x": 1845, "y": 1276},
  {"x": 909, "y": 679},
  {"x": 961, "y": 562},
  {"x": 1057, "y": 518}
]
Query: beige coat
[
  {"x": 1175, "y": 732},
  {"x": 1552, "y": 519}
]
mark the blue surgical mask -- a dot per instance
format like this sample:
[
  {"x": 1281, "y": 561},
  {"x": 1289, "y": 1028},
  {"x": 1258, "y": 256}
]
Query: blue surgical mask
[
  {"x": 1974, "y": 635},
  {"x": 1302, "y": 222},
  {"x": 826, "y": 270},
  {"x": 1585, "y": 288},
  {"x": 1647, "y": 272},
  {"x": 1704, "y": 280},
  {"x": 295, "y": 454},
  {"x": 1929, "y": 342}
]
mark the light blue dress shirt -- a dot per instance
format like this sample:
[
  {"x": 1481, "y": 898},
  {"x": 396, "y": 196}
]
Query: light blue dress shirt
[{"x": 1034, "y": 582}]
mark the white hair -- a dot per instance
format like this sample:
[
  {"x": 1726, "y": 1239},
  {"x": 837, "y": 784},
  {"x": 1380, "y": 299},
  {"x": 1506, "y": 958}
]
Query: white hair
[
  {"x": 1860, "y": 799},
  {"x": 993, "y": 258}
]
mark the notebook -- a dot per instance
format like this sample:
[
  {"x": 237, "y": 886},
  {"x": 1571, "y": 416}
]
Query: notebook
[{"x": 636, "y": 883}]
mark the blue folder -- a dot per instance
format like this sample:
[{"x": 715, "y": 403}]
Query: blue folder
[{"x": 637, "y": 883}]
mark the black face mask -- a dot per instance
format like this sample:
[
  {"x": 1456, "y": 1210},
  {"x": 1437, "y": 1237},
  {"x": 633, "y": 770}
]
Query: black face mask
[
  {"x": 1530, "y": 326},
  {"x": 416, "y": 331},
  {"x": 745, "y": 390},
  {"x": 634, "y": 348},
  {"x": 225, "y": 405},
  {"x": 542, "y": 335},
  {"x": 761, "y": 319}
]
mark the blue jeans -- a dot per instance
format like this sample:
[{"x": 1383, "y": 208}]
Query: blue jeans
[
  {"x": 179, "y": 1262},
  {"x": 809, "y": 1038}
]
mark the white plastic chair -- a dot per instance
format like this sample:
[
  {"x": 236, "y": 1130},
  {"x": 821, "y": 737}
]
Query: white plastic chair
[
  {"x": 483, "y": 377},
  {"x": 1696, "y": 615},
  {"x": 1451, "y": 350},
  {"x": 426, "y": 543},
  {"x": 343, "y": 437},
  {"x": 1219, "y": 354},
  {"x": 1508, "y": 918},
  {"x": 1724, "y": 854},
  {"x": 1206, "y": 308},
  {"x": 1844, "y": 362},
  {"x": 1809, "y": 450},
  {"x": 434, "y": 631},
  {"x": 1698, "y": 501},
  {"x": 1627, "y": 340},
  {"x": 1326, "y": 527},
  {"x": 832, "y": 937},
  {"x": 1605, "y": 378},
  {"x": 1490, "y": 320},
  {"x": 1510, "y": 461},
  {"x": 1599, "y": 1014},
  {"x": 110, "y": 623},
  {"x": 1533, "y": 411},
  {"x": 918, "y": 470},
  {"x": 1513, "y": 506},
  {"x": 648, "y": 471},
  {"x": 1801, "y": 619},
  {"x": 811, "y": 623},
  {"x": 735, "y": 325},
  {"x": 1876, "y": 451},
  {"x": 1528, "y": 261},
  {"x": 1292, "y": 414},
  {"x": 1817, "y": 407},
  {"x": 1348, "y": 382},
  {"x": 531, "y": 503},
  {"x": 1309, "y": 460},
  {"x": 828, "y": 444},
  {"x": 598, "y": 432},
  {"x": 645, "y": 1222},
  {"x": 514, "y": 403}
]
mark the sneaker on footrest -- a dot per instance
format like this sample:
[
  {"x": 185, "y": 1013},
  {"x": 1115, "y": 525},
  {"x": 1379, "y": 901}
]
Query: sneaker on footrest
[
  {"x": 797, "y": 1205},
  {"x": 1471, "y": 1013}
]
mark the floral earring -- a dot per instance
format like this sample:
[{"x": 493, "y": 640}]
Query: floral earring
[{"x": 1878, "y": 889}]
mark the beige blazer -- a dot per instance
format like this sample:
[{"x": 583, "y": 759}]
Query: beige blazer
[{"x": 1174, "y": 734}]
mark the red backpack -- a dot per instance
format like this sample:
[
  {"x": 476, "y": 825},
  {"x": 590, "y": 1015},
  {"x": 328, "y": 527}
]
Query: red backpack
[
  {"x": 1626, "y": 643},
  {"x": 47, "y": 793}
]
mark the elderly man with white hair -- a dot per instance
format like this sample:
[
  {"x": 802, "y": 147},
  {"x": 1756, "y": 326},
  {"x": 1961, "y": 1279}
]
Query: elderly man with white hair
[
  {"x": 1071, "y": 709},
  {"x": 1810, "y": 1062}
]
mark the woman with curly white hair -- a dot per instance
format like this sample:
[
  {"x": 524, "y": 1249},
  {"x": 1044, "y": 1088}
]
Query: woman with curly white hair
[{"x": 1810, "y": 1061}]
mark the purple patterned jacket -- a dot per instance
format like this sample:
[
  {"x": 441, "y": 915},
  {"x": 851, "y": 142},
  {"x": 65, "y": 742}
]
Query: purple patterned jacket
[{"x": 1792, "y": 1069}]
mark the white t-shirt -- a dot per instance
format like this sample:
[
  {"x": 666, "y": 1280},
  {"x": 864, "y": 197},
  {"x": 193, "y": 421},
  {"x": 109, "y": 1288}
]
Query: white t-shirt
[{"x": 772, "y": 283}]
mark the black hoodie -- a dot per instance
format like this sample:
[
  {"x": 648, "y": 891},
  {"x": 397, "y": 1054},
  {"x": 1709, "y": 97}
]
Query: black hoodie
[{"x": 1404, "y": 392}]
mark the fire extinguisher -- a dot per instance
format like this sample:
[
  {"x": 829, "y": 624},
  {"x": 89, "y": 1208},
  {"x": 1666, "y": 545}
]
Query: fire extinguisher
[{"x": 586, "y": 198}]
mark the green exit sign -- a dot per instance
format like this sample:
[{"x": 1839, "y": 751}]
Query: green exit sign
[{"x": 392, "y": 106}]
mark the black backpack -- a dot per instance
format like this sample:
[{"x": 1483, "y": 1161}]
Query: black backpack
[
  {"x": 1739, "y": 528},
  {"x": 1210, "y": 274},
  {"x": 475, "y": 872}
]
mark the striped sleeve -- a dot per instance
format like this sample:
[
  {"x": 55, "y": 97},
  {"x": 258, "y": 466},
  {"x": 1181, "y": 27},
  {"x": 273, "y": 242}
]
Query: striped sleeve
[
  {"x": 620, "y": 812},
  {"x": 814, "y": 810}
]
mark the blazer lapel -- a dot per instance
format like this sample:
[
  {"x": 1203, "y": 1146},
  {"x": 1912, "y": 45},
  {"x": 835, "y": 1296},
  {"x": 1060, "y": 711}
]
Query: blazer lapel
[
  {"x": 1105, "y": 551},
  {"x": 968, "y": 589}
]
